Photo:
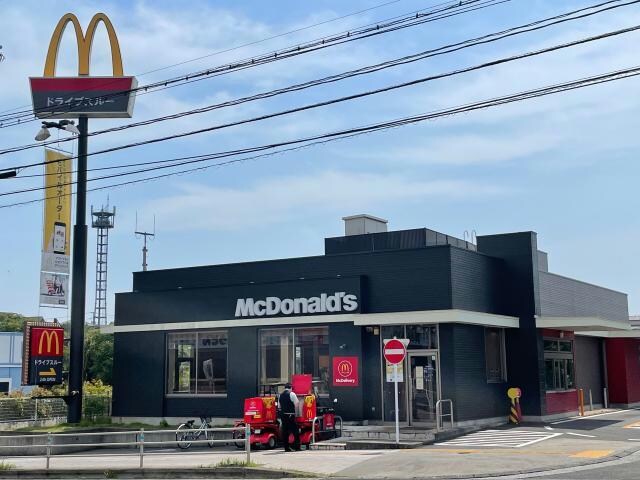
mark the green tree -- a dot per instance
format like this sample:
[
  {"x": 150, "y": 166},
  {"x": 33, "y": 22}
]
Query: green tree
[
  {"x": 98, "y": 350},
  {"x": 11, "y": 322}
]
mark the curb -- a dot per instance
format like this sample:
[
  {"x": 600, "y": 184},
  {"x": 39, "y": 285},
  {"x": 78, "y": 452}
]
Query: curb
[{"x": 204, "y": 472}]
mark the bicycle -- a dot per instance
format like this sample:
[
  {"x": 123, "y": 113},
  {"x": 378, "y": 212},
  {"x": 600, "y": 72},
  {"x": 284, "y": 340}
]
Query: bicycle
[{"x": 186, "y": 433}]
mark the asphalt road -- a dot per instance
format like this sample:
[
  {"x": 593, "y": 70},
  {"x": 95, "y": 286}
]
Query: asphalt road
[{"x": 621, "y": 429}]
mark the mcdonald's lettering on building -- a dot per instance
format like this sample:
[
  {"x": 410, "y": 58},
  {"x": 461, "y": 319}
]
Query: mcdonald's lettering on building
[
  {"x": 46, "y": 350},
  {"x": 91, "y": 96}
]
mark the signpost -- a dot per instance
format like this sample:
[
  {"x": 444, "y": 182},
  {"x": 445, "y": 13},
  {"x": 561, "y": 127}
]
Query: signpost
[
  {"x": 42, "y": 353},
  {"x": 83, "y": 97},
  {"x": 394, "y": 352}
]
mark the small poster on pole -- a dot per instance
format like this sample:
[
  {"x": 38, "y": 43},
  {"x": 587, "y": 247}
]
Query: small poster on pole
[{"x": 390, "y": 372}]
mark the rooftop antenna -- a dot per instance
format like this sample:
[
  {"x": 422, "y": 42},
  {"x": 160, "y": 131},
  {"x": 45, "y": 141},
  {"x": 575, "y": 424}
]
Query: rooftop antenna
[
  {"x": 103, "y": 220},
  {"x": 145, "y": 236}
]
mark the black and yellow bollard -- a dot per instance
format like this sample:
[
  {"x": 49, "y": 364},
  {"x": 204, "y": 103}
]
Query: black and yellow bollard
[{"x": 515, "y": 414}]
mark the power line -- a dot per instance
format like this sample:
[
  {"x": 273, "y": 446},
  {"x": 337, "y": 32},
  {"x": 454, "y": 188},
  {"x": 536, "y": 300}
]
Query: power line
[
  {"x": 351, "y": 97},
  {"x": 289, "y": 52},
  {"x": 238, "y": 47},
  {"x": 446, "y": 49},
  {"x": 352, "y": 132}
]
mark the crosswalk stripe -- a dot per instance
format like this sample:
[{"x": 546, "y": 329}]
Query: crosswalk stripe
[{"x": 501, "y": 438}]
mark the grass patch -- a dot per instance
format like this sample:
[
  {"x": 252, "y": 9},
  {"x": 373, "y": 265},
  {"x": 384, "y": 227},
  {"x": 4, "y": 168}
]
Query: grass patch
[
  {"x": 232, "y": 462},
  {"x": 6, "y": 466}
]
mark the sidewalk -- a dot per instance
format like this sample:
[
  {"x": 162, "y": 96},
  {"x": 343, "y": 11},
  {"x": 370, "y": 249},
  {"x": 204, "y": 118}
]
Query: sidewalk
[{"x": 320, "y": 463}]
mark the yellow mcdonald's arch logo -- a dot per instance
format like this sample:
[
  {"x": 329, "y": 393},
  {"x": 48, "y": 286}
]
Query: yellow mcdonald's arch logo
[
  {"x": 345, "y": 367},
  {"x": 84, "y": 44},
  {"x": 51, "y": 335}
]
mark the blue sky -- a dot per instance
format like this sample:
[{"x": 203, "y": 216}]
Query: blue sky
[{"x": 564, "y": 166}]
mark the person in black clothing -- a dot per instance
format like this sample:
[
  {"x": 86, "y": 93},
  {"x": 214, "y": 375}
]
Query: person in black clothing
[{"x": 288, "y": 402}]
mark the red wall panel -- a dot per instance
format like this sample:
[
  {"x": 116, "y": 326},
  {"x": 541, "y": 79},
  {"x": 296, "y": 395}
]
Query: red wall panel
[
  {"x": 560, "y": 402},
  {"x": 623, "y": 370}
]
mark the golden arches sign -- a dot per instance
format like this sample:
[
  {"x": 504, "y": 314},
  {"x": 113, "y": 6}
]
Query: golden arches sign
[
  {"x": 83, "y": 95},
  {"x": 52, "y": 338},
  {"x": 85, "y": 42}
]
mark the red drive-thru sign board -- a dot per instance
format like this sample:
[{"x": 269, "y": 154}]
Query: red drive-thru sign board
[
  {"x": 43, "y": 350},
  {"x": 394, "y": 351},
  {"x": 70, "y": 97},
  {"x": 345, "y": 372}
]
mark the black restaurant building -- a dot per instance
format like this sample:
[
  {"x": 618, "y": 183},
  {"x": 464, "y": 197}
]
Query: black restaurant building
[{"x": 481, "y": 317}]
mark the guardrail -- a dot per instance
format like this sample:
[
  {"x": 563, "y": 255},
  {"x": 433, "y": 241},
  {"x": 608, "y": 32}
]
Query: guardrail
[
  {"x": 440, "y": 415},
  {"x": 313, "y": 428},
  {"x": 49, "y": 446}
]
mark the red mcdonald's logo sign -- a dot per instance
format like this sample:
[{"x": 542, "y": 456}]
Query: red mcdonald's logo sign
[
  {"x": 47, "y": 342},
  {"x": 345, "y": 372}
]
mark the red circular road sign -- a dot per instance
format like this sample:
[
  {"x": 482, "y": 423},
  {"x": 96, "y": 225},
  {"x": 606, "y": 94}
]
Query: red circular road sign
[{"x": 394, "y": 351}]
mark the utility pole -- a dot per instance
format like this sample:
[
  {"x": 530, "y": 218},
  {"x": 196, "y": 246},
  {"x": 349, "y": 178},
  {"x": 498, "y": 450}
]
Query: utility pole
[
  {"x": 79, "y": 280},
  {"x": 145, "y": 236}
]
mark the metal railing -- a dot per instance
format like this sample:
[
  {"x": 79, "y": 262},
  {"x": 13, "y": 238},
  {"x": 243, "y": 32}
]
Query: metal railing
[
  {"x": 49, "y": 446},
  {"x": 20, "y": 409},
  {"x": 440, "y": 416},
  {"x": 314, "y": 431}
]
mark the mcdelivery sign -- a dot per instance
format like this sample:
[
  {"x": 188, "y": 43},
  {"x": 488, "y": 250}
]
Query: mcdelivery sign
[{"x": 338, "y": 302}]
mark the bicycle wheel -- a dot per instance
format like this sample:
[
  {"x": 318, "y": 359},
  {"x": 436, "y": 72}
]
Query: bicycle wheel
[
  {"x": 209, "y": 436},
  {"x": 184, "y": 438}
]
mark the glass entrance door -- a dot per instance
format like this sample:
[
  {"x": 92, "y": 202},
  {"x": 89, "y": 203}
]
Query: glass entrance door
[{"x": 423, "y": 387}]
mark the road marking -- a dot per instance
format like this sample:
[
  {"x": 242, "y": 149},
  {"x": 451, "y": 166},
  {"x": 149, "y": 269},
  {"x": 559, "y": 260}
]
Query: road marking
[
  {"x": 633, "y": 425},
  {"x": 573, "y": 419},
  {"x": 500, "y": 438},
  {"x": 592, "y": 454},
  {"x": 580, "y": 435},
  {"x": 634, "y": 440},
  {"x": 548, "y": 427}
]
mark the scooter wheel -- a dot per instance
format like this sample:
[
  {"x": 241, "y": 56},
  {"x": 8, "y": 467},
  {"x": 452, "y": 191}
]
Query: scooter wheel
[
  {"x": 238, "y": 435},
  {"x": 271, "y": 443}
]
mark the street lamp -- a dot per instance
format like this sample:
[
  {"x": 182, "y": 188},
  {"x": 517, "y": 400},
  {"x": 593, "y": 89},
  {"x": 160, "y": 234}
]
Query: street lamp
[{"x": 68, "y": 125}]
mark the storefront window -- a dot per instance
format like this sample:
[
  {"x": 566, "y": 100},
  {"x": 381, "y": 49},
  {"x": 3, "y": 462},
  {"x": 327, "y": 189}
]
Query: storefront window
[
  {"x": 276, "y": 354},
  {"x": 559, "y": 371},
  {"x": 288, "y": 351},
  {"x": 197, "y": 363},
  {"x": 422, "y": 337}
]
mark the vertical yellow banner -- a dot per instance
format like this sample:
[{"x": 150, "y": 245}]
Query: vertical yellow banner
[{"x": 57, "y": 212}]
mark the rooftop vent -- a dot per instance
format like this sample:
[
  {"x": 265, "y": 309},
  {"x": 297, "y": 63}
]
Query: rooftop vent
[{"x": 361, "y": 224}]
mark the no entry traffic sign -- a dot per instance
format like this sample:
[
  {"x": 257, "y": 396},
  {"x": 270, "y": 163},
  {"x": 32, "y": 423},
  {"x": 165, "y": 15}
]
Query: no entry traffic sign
[{"x": 394, "y": 351}]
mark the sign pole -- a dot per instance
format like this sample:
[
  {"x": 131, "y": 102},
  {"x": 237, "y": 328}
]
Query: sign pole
[
  {"x": 395, "y": 388},
  {"x": 79, "y": 280},
  {"x": 395, "y": 351}
]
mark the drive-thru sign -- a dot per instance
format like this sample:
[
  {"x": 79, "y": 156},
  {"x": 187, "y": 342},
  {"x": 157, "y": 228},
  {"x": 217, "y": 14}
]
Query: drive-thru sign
[{"x": 394, "y": 351}]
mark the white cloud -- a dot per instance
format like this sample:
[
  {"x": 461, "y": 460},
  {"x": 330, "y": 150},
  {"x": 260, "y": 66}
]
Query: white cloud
[
  {"x": 467, "y": 149},
  {"x": 287, "y": 198}
]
